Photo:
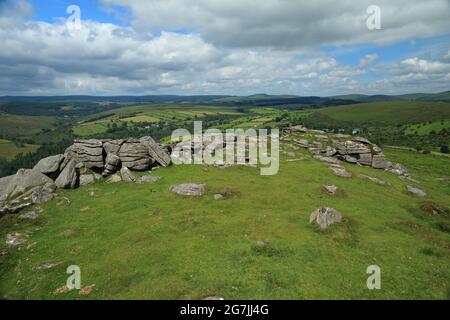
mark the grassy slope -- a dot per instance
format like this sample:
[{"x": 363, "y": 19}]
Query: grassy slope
[
  {"x": 9, "y": 150},
  {"x": 21, "y": 126},
  {"x": 145, "y": 242},
  {"x": 391, "y": 112}
]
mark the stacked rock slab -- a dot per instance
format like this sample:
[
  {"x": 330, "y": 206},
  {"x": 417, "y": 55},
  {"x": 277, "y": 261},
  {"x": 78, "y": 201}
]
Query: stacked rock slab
[
  {"x": 88, "y": 152},
  {"x": 134, "y": 155},
  {"x": 361, "y": 151}
]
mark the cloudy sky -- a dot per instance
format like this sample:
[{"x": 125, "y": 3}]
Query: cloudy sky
[{"x": 234, "y": 47}]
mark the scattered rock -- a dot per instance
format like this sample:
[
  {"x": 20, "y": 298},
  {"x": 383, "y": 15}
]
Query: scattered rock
[
  {"x": 114, "y": 179},
  {"x": 373, "y": 179},
  {"x": 325, "y": 217},
  {"x": 126, "y": 174},
  {"x": 85, "y": 209},
  {"x": 330, "y": 151},
  {"x": 64, "y": 201},
  {"x": 41, "y": 195},
  {"x": 341, "y": 172},
  {"x": 148, "y": 179},
  {"x": 327, "y": 159},
  {"x": 218, "y": 196},
  {"x": 379, "y": 162},
  {"x": 416, "y": 191},
  {"x": 303, "y": 143},
  {"x": 331, "y": 189},
  {"x": 15, "y": 239},
  {"x": 189, "y": 189},
  {"x": 87, "y": 179},
  {"x": 32, "y": 215}
]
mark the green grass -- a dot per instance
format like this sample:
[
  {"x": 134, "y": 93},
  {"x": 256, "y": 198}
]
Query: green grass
[
  {"x": 9, "y": 150},
  {"x": 390, "y": 112},
  {"x": 426, "y": 128},
  {"x": 89, "y": 129},
  {"x": 20, "y": 126},
  {"x": 145, "y": 242}
]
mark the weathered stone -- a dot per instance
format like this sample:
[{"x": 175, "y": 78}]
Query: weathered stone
[
  {"x": 156, "y": 152},
  {"x": 340, "y": 147},
  {"x": 126, "y": 174},
  {"x": 218, "y": 196},
  {"x": 135, "y": 155},
  {"x": 376, "y": 149},
  {"x": 4, "y": 185},
  {"x": 322, "y": 138},
  {"x": 416, "y": 191},
  {"x": 50, "y": 165},
  {"x": 373, "y": 179},
  {"x": 114, "y": 179},
  {"x": 32, "y": 215},
  {"x": 148, "y": 179},
  {"x": 365, "y": 159},
  {"x": 212, "y": 298},
  {"x": 350, "y": 159},
  {"x": 68, "y": 178},
  {"x": 26, "y": 179},
  {"x": 87, "y": 179},
  {"x": 189, "y": 189},
  {"x": 341, "y": 172},
  {"x": 331, "y": 189},
  {"x": 362, "y": 140},
  {"x": 330, "y": 152},
  {"x": 14, "y": 208},
  {"x": 356, "y": 147},
  {"x": 112, "y": 164},
  {"x": 325, "y": 217},
  {"x": 89, "y": 152},
  {"x": 398, "y": 169},
  {"x": 302, "y": 143},
  {"x": 15, "y": 239},
  {"x": 41, "y": 195},
  {"x": 327, "y": 159},
  {"x": 314, "y": 151},
  {"x": 379, "y": 161},
  {"x": 113, "y": 146}
]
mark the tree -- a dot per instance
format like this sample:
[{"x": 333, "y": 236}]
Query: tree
[{"x": 445, "y": 149}]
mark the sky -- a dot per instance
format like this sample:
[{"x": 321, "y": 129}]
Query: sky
[{"x": 230, "y": 47}]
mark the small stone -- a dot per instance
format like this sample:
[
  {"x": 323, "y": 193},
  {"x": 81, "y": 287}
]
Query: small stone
[
  {"x": 46, "y": 266},
  {"x": 29, "y": 215},
  {"x": 127, "y": 175},
  {"x": 87, "y": 179},
  {"x": 341, "y": 172},
  {"x": 373, "y": 179},
  {"x": 189, "y": 189},
  {"x": 15, "y": 239},
  {"x": 85, "y": 209},
  {"x": 331, "y": 189},
  {"x": 218, "y": 196},
  {"x": 213, "y": 298},
  {"x": 416, "y": 191},
  {"x": 325, "y": 217},
  {"x": 148, "y": 179},
  {"x": 114, "y": 179}
]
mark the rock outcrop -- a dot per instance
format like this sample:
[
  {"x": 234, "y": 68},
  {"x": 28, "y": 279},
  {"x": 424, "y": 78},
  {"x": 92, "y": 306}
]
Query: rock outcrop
[{"x": 89, "y": 157}]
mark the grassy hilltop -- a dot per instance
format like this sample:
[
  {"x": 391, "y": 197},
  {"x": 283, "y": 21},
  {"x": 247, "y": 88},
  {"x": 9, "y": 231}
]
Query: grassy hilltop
[{"x": 144, "y": 242}]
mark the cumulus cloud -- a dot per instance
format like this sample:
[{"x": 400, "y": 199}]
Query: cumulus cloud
[
  {"x": 228, "y": 47},
  {"x": 290, "y": 23}
]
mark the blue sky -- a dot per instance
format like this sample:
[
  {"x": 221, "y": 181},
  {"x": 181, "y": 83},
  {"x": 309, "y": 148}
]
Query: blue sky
[
  {"x": 224, "y": 47},
  {"x": 90, "y": 10}
]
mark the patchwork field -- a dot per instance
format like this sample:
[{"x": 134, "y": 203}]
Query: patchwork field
[{"x": 9, "y": 150}]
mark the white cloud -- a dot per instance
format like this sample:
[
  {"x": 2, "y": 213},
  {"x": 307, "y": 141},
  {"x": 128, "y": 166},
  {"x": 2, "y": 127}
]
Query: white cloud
[{"x": 290, "y": 23}]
